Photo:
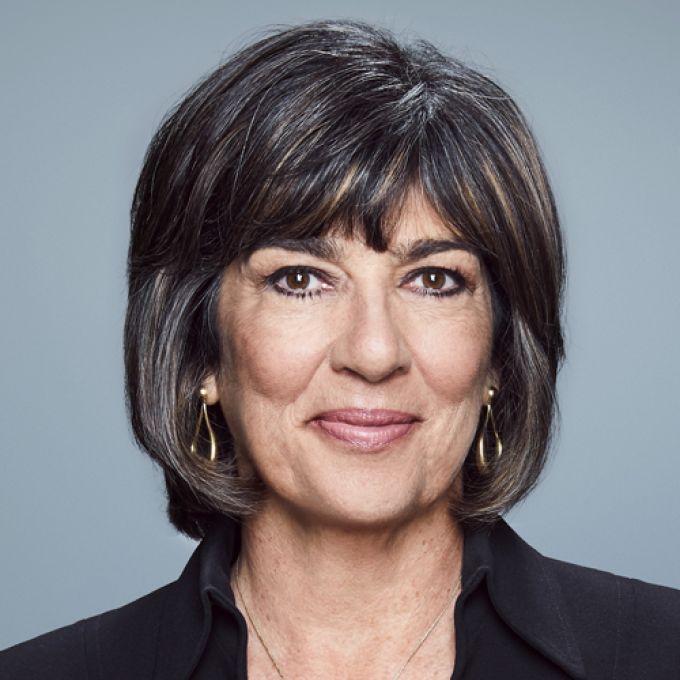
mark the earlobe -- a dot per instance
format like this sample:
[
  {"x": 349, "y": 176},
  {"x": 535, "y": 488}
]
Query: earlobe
[
  {"x": 491, "y": 383},
  {"x": 209, "y": 390}
]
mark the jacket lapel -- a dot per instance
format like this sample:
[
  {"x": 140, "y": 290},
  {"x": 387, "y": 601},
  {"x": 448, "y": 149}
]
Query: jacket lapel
[
  {"x": 186, "y": 621},
  {"x": 527, "y": 596}
]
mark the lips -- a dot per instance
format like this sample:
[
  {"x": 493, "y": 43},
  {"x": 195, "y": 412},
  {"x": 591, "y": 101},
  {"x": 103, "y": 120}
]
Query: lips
[{"x": 366, "y": 429}]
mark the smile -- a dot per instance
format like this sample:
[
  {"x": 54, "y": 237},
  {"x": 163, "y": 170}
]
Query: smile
[{"x": 368, "y": 430}]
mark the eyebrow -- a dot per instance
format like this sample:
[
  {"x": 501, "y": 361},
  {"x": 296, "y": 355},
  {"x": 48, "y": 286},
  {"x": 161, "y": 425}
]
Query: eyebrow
[
  {"x": 330, "y": 250},
  {"x": 315, "y": 246},
  {"x": 423, "y": 247}
]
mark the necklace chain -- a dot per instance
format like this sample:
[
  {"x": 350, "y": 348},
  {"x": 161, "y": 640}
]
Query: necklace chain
[
  {"x": 421, "y": 642},
  {"x": 252, "y": 623}
]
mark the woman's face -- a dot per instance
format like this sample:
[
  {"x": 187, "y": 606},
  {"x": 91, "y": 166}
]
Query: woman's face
[{"x": 316, "y": 346}]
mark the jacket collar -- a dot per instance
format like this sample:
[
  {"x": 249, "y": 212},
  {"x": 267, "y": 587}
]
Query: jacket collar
[
  {"x": 527, "y": 596},
  {"x": 187, "y": 617},
  {"x": 520, "y": 584}
]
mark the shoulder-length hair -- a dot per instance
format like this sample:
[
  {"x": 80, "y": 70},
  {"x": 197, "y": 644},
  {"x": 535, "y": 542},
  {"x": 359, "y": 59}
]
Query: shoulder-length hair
[{"x": 319, "y": 125}]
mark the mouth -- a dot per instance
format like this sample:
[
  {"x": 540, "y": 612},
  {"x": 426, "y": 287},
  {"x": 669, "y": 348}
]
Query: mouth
[{"x": 365, "y": 429}]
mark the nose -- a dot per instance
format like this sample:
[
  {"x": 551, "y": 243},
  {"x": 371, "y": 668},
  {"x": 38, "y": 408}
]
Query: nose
[{"x": 368, "y": 340}]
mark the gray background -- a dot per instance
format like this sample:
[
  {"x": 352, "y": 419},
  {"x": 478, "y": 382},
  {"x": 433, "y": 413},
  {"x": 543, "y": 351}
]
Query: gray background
[{"x": 84, "y": 84}]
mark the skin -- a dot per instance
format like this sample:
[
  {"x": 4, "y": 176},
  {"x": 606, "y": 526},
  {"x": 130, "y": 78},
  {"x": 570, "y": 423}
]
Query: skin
[{"x": 354, "y": 553}]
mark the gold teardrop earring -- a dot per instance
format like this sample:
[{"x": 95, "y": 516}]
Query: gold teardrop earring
[
  {"x": 203, "y": 418},
  {"x": 483, "y": 465}
]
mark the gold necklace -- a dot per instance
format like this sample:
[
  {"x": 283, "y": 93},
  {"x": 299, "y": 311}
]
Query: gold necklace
[{"x": 421, "y": 642}]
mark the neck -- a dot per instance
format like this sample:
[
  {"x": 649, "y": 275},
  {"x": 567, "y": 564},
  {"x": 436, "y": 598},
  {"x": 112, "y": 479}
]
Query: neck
[{"x": 338, "y": 591}]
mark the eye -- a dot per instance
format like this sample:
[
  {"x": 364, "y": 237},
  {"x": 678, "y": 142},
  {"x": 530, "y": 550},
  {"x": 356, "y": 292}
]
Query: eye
[
  {"x": 437, "y": 282},
  {"x": 299, "y": 282}
]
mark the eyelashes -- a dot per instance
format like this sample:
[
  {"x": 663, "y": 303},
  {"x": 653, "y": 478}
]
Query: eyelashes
[
  {"x": 296, "y": 281},
  {"x": 446, "y": 282},
  {"x": 304, "y": 282}
]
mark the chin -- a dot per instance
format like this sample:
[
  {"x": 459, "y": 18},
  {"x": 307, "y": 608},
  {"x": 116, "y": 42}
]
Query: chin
[{"x": 358, "y": 509}]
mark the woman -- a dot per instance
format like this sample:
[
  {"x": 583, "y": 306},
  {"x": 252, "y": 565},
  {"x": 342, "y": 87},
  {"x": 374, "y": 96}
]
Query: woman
[{"x": 342, "y": 341}]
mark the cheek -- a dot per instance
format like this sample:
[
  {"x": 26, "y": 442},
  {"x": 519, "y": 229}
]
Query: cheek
[
  {"x": 272, "y": 357},
  {"x": 454, "y": 357}
]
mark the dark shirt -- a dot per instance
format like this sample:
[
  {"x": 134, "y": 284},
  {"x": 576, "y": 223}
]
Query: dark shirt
[{"x": 519, "y": 615}]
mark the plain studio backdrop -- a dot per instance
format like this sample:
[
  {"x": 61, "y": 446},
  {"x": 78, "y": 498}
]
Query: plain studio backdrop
[{"x": 84, "y": 86}]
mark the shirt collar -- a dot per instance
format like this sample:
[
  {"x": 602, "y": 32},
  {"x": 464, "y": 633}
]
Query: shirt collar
[{"x": 520, "y": 584}]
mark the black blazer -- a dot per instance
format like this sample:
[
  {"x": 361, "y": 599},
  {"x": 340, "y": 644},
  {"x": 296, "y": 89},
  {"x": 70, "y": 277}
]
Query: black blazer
[{"x": 568, "y": 621}]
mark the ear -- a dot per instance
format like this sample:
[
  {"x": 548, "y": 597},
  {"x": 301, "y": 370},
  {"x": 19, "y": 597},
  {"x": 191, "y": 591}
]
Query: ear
[{"x": 209, "y": 384}]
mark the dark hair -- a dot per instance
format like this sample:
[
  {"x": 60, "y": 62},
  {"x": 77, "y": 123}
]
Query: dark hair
[{"x": 319, "y": 125}]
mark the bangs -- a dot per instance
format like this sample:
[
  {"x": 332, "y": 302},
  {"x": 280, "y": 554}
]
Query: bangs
[
  {"x": 317, "y": 191},
  {"x": 358, "y": 195},
  {"x": 350, "y": 175}
]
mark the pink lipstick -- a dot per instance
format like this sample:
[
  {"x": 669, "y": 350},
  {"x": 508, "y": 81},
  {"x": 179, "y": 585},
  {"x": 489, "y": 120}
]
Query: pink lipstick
[{"x": 367, "y": 429}]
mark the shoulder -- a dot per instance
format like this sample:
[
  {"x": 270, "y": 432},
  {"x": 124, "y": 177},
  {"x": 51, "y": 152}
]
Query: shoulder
[
  {"x": 125, "y": 636},
  {"x": 595, "y": 623},
  {"x": 600, "y": 587},
  {"x": 641, "y": 619}
]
